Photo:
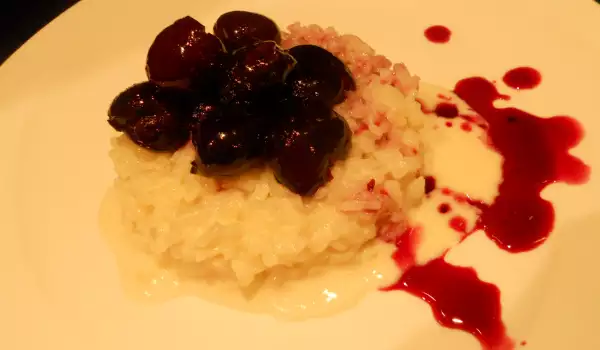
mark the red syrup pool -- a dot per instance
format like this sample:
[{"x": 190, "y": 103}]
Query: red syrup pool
[
  {"x": 536, "y": 154},
  {"x": 459, "y": 300}
]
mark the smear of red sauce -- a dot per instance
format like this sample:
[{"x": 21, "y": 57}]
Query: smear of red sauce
[
  {"x": 406, "y": 243},
  {"x": 459, "y": 300},
  {"x": 522, "y": 78},
  {"x": 458, "y": 224},
  {"x": 438, "y": 34},
  {"x": 536, "y": 154}
]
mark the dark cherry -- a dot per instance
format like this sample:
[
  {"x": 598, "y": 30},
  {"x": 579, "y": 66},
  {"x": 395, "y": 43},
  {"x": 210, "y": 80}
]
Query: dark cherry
[
  {"x": 299, "y": 166},
  {"x": 304, "y": 149},
  {"x": 319, "y": 76},
  {"x": 224, "y": 145},
  {"x": 153, "y": 117},
  {"x": 259, "y": 66},
  {"x": 240, "y": 28},
  {"x": 161, "y": 132},
  {"x": 265, "y": 61},
  {"x": 274, "y": 101},
  {"x": 137, "y": 101},
  {"x": 183, "y": 52},
  {"x": 339, "y": 136},
  {"x": 262, "y": 110},
  {"x": 289, "y": 113},
  {"x": 207, "y": 110}
]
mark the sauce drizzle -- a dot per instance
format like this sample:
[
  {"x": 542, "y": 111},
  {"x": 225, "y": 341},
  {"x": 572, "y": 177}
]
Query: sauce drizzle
[
  {"x": 459, "y": 300},
  {"x": 536, "y": 154}
]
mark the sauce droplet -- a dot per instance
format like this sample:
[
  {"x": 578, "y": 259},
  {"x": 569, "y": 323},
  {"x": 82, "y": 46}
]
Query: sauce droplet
[
  {"x": 459, "y": 300},
  {"x": 438, "y": 34},
  {"x": 536, "y": 153},
  {"x": 429, "y": 184},
  {"x": 444, "y": 208},
  {"x": 446, "y": 110},
  {"x": 458, "y": 224},
  {"x": 522, "y": 78}
]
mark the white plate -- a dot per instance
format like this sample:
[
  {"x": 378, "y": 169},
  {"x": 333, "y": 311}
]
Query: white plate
[{"x": 59, "y": 281}]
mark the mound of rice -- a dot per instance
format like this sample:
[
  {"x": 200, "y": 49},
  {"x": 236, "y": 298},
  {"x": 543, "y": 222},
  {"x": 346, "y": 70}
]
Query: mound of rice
[{"x": 243, "y": 229}]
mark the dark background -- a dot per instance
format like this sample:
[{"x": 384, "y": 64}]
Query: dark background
[{"x": 21, "y": 19}]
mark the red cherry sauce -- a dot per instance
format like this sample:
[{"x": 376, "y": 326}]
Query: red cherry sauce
[
  {"x": 459, "y": 300},
  {"x": 406, "y": 244},
  {"x": 536, "y": 154},
  {"x": 522, "y": 78},
  {"x": 438, "y": 34}
]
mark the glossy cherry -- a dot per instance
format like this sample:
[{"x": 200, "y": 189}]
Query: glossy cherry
[
  {"x": 183, "y": 52},
  {"x": 318, "y": 76},
  {"x": 225, "y": 143},
  {"x": 207, "y": 110},
  {"x": 256, "y": 67},
  {"x": 153, "y": 117},
  {"x": 238, "y": 29},
  {"x": 304, "y": 150}
]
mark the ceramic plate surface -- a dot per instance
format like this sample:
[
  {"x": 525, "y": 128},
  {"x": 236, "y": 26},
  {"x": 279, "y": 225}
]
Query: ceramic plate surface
[{"x": 60, "y": 285}]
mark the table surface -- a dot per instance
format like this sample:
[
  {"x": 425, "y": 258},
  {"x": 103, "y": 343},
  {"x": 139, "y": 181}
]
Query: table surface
[{"x": 20, "y": 20}]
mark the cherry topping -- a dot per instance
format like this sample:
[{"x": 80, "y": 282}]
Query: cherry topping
[
  {"x": 153, "y": 117},
  {"x": 319, "y": 76},
  {"x": 256, "y": 67},
  {"x": 249, "y": 104},
  {"x": 303, "y": 152},
  {"x": 224, "y": 141},
  {"x": 183, "y": 51},
  {"x": 240, "y": 28}
]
